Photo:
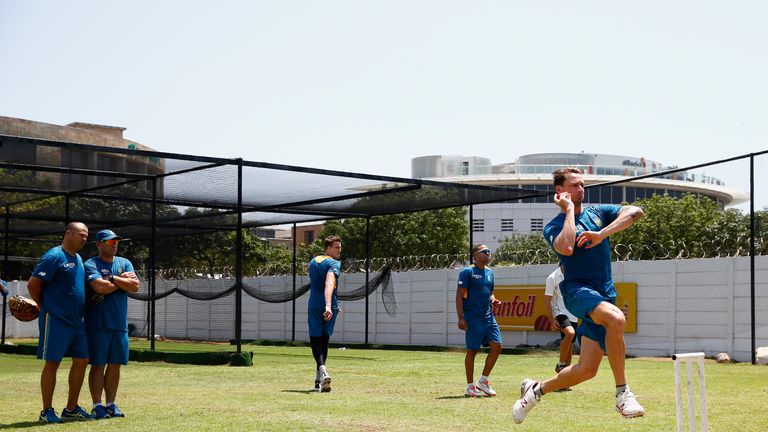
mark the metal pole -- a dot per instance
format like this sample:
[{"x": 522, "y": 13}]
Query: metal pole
[
  {"x": 471, "y": 232},
  {"x": 239, "y": 260},
  {"x": 752, "y": 250},
  {"x": 367, "y": 265},
  {"x": 293, "y": 302},
  {"x": 5, "y": 266},
  {"x": 152, "y": 270}
]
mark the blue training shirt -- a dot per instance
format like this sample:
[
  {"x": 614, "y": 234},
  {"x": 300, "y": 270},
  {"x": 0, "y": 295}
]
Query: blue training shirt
[
  {"x": 319, "y": 267},
  {"x": 479, "y": 285},
  {"x": 63, "y": 293},
  {"x": 112, "y": 312},
  {"x": 590, "y": 267}
]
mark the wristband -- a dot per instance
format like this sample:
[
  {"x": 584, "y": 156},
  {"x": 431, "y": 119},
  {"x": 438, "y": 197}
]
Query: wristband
[{"x": 112, "y": 279}]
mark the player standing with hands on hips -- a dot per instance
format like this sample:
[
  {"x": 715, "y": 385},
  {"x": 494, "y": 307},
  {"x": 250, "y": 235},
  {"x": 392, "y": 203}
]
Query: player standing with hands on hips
[
  {"x": 474, "y": 297},
  {"x": 579, "y": 235}
]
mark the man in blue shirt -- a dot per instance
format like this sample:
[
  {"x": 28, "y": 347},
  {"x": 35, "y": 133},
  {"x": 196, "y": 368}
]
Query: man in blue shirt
[
  {"x": 110, "y": 279},
  {"x": 579, "y": 235},
  {"x": 323, "y": 307},
  {"x": 57, "y": 285},
  {"x": 474, "y": 297}
]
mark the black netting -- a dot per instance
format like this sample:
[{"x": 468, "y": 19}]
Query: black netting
[{"x": 214, "y": 289}]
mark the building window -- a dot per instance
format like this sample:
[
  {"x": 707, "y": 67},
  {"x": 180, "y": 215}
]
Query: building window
[
  {"x": 507, "y": 224},
  {"x": 537, "y": 225},
  {"x": 465, "y": 168},
  {"x": 309, "y": 237},
  {"x": 478, "y": 225}
]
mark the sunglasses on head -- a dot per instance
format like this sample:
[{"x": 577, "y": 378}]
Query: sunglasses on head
[{"x": 110, "y": 242}]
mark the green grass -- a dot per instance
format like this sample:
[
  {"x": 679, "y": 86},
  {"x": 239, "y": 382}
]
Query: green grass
[{"x": 379, "y": 390}]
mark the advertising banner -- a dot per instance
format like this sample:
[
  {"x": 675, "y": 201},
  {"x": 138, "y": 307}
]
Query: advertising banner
[{"x": 522, "y": 307}]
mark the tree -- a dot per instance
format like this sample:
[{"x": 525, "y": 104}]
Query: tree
[
  {"x": 522, "y": 249},
  {"x": 430, "y": 232},
  {"x": 671, "y": 228}
]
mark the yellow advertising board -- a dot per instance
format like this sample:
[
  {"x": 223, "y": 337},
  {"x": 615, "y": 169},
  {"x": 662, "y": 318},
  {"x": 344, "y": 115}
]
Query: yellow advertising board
[{"x": 522, "y": 307}]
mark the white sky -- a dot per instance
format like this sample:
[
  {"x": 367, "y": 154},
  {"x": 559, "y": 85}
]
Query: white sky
[{"x": 365, "y": 86}]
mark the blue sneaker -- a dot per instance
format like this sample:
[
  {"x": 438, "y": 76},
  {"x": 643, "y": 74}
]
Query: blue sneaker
[
  {"x": 76, "y": 414},
  {"x": 100, "y": 412},
  {"x": 113, "y": 411},
  {"x": 49, "y": 416}
]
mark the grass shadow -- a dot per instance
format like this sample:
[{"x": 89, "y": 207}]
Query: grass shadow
[
  {"x": 301, "y": 391},
  {"x": 21, "y": 425}
]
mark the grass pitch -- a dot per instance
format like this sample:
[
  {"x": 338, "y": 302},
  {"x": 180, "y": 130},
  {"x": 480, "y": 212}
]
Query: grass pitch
[{"x": 378, "y": 390}]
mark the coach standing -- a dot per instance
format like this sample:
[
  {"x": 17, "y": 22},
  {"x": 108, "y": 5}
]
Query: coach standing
[
  {"x": 57, "y": 285},
  {"x": 111, "y": 278}
]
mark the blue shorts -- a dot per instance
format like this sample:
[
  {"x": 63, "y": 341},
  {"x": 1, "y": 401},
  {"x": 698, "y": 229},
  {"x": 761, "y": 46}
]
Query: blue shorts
[
  {"x": 107, "y": 346},
  {"x": 59, "y": 339},
  {"x": 580, "y": 301},
  {"x": 319, "y": 326},
  {"x": 481, "y": 332}
]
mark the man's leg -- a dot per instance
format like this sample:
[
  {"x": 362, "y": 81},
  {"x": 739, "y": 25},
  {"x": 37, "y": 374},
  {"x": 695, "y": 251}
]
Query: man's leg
[
  {"x": 48, "y": 382},
  {"x": 586, "y": 368},
  {"x": 566, "y": 345},
  {"x": 493, "y": 355},
  {"x": 111, "y": 382},
  {"x": 96, "y": 383},
  {"x": 612, "y": 319},
  {"x": 76, "y": 378},
  {"x": 469, "y": 365}
]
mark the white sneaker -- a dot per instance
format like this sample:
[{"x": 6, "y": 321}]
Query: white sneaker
[
  {"x": 473, "y": 391},
  {"x": 627, "y": 405},
  {"x": 528, "y": 400},
  {"x": 485, "y": 387},
  {"x": 318, "y": 378},
  {"x": 325, "y": 381}
]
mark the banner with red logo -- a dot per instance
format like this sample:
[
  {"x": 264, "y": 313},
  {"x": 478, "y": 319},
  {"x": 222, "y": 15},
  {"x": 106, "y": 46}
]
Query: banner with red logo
[{"x": 522, "y": 307}]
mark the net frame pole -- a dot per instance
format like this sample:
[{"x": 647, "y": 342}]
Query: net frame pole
[
  {"x": 239, "y": 260},
  {"x": 5, "y": 268},
  {"x": 293, "y": 295},
  {"x": 367, "y": 273},
  {"x": 752, "y": 254},
  {"x": 471, "y": 231},
  {"x": 152, "y": 267}
]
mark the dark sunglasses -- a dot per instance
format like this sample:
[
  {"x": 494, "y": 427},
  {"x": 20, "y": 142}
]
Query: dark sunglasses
[
  {"x": 485, "y": 251},
  {"x": 110, "y": 242}
]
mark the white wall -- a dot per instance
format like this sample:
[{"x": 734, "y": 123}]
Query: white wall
[
  {"x": 13, "y": 327},
  {"x": 682, "y": 306}
]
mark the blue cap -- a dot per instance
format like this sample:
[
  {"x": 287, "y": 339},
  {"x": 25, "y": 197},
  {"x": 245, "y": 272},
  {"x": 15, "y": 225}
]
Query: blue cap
[{"x": 107, "y": 235}]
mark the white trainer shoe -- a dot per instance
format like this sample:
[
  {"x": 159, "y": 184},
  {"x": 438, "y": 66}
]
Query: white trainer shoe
[
  {"x": 627, "y": 405},
  {"x": 485, "y": 387},
  {"x": 318, "y": 379},
  {"x": 325, "y": 382},
  {"x": 528, "y": 400},
  {"x": 473, "y": 391}
]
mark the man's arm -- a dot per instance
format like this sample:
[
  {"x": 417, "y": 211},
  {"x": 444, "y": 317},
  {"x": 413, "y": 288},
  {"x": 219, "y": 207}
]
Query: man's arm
[
  {"x": 330, "y": 285},
  {"x": 103, "y": 286},
  {"x": 126, "y": 282},
  {"x": 626, "y": 217},
  {"x": 460, "y": 307},
  {"x": 565, "y": 241},
  {"x": 548, "y": 308},
  {"x": 548, "y": 293},
  {"x": 35, "y": 288}
]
